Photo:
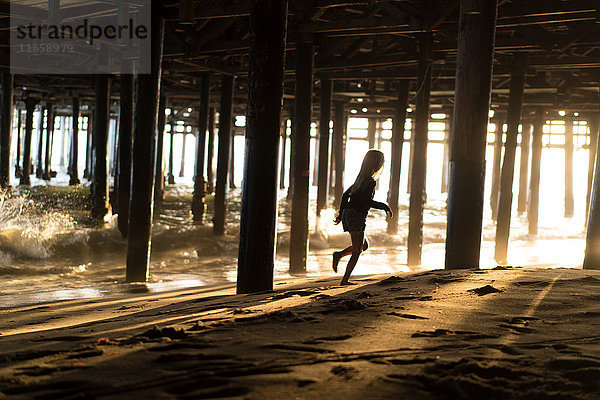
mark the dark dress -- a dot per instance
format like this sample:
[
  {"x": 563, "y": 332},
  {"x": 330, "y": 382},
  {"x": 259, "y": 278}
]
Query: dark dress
[{"x": 355, "y": 207}]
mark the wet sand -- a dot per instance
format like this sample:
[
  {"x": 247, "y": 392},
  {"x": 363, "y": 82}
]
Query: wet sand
[{"x": 495, "y": 334}]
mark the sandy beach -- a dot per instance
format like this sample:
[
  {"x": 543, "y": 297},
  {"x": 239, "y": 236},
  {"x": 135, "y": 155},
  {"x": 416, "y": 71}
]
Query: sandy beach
[{"x": 497, "y": 334}]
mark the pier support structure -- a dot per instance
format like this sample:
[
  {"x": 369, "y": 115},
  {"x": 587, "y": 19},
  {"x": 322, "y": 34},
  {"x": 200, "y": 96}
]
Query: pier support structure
[
  {"x": 39, "y": 170},
  {"x": 224, "y": 152},
  {"x": 569, "y": 199},
  {"x": 396, "y": 161},
  {"x": 477, "y": 26},
  {"x": 324, "y": 139},
  {"x": 144, "y": 156},
  {"x": 524, "y": 168},
  {"x": 593, "y": 147},
  {"x": 536, "y": 162},
  {"x": 496, "y": 166},
  {"x": 30, "y": 104},
  {"x": 127, "y": 108},
  {"x": 419, "y": 167},
  {"x": 301, "y": 155},
  {"x": 100, "y": 139},
  {"x": 258, "y": 225},
  {"x": 6, "y": 117},
  {"x": 159, "y": 173},
  {"x": 47, "y": 174},
  {"x": 515, "y": 101},
  {"x": 337, "y": 147},
  {"x": 74, "y": 158},
  {"x": 198, "y": 204}
]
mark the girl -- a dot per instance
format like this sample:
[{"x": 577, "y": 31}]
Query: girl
[{"x": 354, "y": 207}]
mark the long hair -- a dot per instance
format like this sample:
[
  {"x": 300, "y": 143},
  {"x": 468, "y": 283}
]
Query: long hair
[{"x": 370, "y": 169}]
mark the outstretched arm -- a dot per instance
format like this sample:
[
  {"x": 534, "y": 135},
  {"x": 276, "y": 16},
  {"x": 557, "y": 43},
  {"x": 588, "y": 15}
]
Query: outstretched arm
[{"x": 382, "y": 206}]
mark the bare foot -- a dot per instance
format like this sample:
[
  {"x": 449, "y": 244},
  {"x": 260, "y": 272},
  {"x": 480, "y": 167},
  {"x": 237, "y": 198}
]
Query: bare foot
[
  {"x": 336, "y": 260},
  {"x": 347, "y": 283}
]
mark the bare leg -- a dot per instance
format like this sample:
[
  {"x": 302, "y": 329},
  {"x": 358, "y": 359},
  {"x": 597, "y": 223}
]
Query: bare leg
[
  {"x": 357, "y": 245},
  {"x": 337, "y": 255}
]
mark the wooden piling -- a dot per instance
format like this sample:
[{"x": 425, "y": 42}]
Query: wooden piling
[
  {"x": 127, "y": 107},
  {"x": 144, "y": 156},
  {"x": 593, "y": 124},
  {"x": 100, "y": 133},
  {"x": 170, "y": 175},
  {"x": 371, "y": 131},
  {"x": 182, "y": 165},
  {"x": 569, "y": 199},
  {"x": 396, "y": 162},
  {"x": 224, "y": 152},
  {"x": 198, "y": 204},
  {"x": 536, "y": 162},
  {"x": 74, "y": 158},
  {"x": 258, "y": 225},
  {"x": 301, "y": 155},
  {"x": 39, "y": 171},
  {"x": 497, "y": 164},
  {"x": 19, "y": 143},
  {"x": 231, "y": 172},
  {"x": 419, "y": 150},
  {"x": 324, "y": 139},
  {"x": 6, "y": 117},
  {"x": 87, "y": 172},
  {"x": 446, "y": 155},
  {"x": 283, "y": 153},
  {"x": 591, "y": 259},
  {"x": 515, "y": 101},
  {"x": 477, "y": 26},
  {"x": 337, "y": 147},
  {"x": 210, "y": 156},
  {"x": 49, "y": 139},
  {"x": 159, "y": 173},
  {"x": 524, "y": 168},
  {"x": 30, "y": 104}
]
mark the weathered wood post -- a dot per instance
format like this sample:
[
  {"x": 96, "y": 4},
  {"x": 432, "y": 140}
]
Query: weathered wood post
[
  {"x": 371, "y": 132},
  {"x": 476, "y": 35},
  {"x": 49, "y": 139},
  {"x": 524, "y": 168},
  {"x": 324, "y": 138},
  {"x": 301, "y": 155},
  {"x": 497, "y": 164},
  {"x": 39, "y": 171},
  {"x": 87, "y": 172},
  {"x": 144, "y": 156},
  {"x": 74, "y": 158},
  {"x": 419, "y": 167},
  {"x": 170, "y": 176},
  {"x": 569, "y": 199},
  {"x": 592, "y": 240},
  {"x": 594, "y": 122},
  {"x": 536, "y": 162},
  {"x": 30, "y": 104},
  {"x": 198, "y": 204},
  {"x": 210, "y": 157},
  {"x": 6, "y": 117},
  {"x": 126, "y": 129},
  {"x": 63, "y": 131},
  {"x": 283, "y": 154},
  {"x": 19, "y": 143},
  {"x": 182, "y": 165},
  {"x": 258, "y": 225},
  {"x": 159, "y": 173},
  {"x": 446, "y": 156},
  {"x": 515, "y": 101},
  {"x": 396, "y": 161},
  {"x": 337, "y": 146},
  {"x": 224, "y": 152},
  {"x": 231, "y": 169},
  {"x": 101, "y": 119}
]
